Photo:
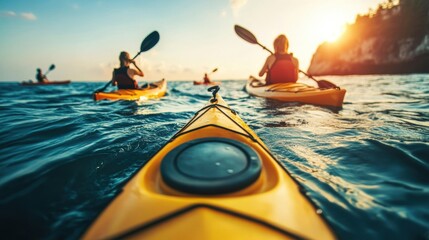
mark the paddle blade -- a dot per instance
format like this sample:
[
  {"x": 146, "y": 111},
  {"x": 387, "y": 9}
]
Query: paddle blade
[
  {"x": 52, "y": 67},
  {"x": 326, "y": 84},
  {"x": 245, "y": 34},
  {"x": 150, "y": 41}
]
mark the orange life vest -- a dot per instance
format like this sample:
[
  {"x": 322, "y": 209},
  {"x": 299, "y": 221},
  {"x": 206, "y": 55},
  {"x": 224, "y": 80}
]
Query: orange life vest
[
  {"x": 124, "y": 81},
  {"x": 283, "y": 70}
]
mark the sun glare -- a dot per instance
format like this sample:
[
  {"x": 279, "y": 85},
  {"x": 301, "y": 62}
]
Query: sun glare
[{"x": 330, "y": 28}]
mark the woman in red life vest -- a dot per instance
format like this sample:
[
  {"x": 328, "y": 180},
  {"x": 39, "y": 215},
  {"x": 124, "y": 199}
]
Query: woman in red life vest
[
  {"x": 280, "y": 67},
  {"x": 123, "y": 77}
]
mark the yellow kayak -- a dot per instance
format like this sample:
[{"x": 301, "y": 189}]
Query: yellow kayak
[
  {"x": 215, "y": 179},
  {"x": 153, "y": 90},
  {"x": 296, "y": 92}
]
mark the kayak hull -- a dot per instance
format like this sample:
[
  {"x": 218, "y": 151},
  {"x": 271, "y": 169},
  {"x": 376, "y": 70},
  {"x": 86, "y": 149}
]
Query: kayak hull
[
  {"x": 206, "y": 84},
  {"x": 273, "y": 206},
  {"x": 62, "y": 82},
  {"x": 296, "y": 92},
  {"x": 155, "y": 90}
]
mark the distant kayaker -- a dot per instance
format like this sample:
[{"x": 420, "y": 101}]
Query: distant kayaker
[
  {"x": 206, "y": 78},
  {"x": 281, "y": 66},
  {"x": 123, "y": 77},
  {"x": 40, "y": 77}
]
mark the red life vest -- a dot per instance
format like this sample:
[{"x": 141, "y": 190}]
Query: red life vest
[
  {"x": 123, "y": 80},
  {"x": 283, "y": 70}
]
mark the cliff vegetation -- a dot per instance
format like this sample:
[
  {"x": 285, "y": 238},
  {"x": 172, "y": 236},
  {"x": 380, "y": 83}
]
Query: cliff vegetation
[{"x": 391, "y": 39}]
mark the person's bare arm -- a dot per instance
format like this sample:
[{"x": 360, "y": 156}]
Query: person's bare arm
[
  {"x": 264, "y": 69},
  {"x": 114, "y": 83},
  {"x": 139, "y": 72},
  {"x": 266, "y": 66}
]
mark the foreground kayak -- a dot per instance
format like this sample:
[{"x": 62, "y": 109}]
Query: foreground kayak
[
  {"x": 153, "y": 90},
  {"x": 45, "y": 83},
  {"x": 296, "y": 92},
  {"x": 214, "y": 179},
  {"x": 207, "y": 84}
]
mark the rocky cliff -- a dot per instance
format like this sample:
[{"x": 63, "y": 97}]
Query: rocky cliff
[{"x": 393, "y": 39}]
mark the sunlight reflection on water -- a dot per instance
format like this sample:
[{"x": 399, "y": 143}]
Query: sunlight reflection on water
[{"x": 64, "y": 156}]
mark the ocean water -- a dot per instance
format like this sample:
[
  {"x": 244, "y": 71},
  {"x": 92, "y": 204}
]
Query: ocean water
[{"x": 63, "y": 157}]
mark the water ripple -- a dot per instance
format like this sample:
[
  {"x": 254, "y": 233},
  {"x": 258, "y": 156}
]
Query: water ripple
[{"x": 63, "y": 157}]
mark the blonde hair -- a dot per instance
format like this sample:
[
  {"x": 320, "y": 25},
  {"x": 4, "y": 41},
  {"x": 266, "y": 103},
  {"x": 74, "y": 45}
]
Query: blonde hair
[{"x": 281, "y": 44}]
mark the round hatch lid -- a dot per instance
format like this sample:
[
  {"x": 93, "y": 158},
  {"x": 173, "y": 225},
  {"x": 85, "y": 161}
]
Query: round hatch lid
[{"x": 211, "y": 166}]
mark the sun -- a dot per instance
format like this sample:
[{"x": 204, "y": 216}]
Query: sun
[{"x": 329, "y": 28}]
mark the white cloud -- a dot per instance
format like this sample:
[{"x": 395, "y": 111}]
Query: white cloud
[
  {"x": 28, "y": 16},
  {"x": 236, "y": 5},
  {"x": 106, "y": 69},
  {"x": 24, "y": 15},
  {"x": 7, "y": 13},
  {"x": 223, "y": 13}
]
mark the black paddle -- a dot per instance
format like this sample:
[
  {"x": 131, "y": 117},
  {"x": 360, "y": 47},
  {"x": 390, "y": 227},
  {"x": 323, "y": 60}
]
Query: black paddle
[
  {"x": 214, "y": 70},
  {"x": 52, "y": 67},
  {"x": 149, "y": 42},
  {"x": 249, "y": 37}
]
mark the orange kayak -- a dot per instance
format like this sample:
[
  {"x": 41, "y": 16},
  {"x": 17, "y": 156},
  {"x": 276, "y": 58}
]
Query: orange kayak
[
  {"x": 45, "y": 83},
  {"x": 204, "y": 83}
]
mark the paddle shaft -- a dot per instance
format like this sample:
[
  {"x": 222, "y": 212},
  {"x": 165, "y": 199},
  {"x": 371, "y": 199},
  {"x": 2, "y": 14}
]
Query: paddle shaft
[
  {"x": 265, "y": 48},
  {"x": 46, "y": 73},
  {"x": 213, "y": 71},
  {"x": 52, "y": 67}
]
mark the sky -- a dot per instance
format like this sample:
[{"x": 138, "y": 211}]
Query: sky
[{"x": 84, "y": 38}]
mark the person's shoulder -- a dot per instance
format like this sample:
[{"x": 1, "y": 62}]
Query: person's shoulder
[
  {"x": 271, "y": 58},
  {"x": 132, "y": 70},
  {"x": 294, "y": 59}
]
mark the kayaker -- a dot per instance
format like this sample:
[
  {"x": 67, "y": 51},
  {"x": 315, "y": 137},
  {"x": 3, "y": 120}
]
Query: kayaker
[
  {"x": 281, "y": 66},
  {"x": 123, "y": 77},
  {"x": 40, "y": 77},
  {"x": 206, "y": 78}
]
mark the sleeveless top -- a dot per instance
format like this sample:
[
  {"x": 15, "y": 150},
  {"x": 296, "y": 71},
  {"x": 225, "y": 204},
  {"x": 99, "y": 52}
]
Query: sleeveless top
[
  {"x": 123, "y": 80},
  {"x": 40, "y": 77},
  {"x": 283, "y": 70}
]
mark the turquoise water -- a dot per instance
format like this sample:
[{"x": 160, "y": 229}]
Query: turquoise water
[{"x": 63, "y": 156}]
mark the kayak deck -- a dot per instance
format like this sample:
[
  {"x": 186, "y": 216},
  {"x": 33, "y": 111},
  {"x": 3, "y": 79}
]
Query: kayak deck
[
  {"x": 296, "y": 92},
  {"x": 273, "y": 206},
  {"x": 154, "y": 90}
]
